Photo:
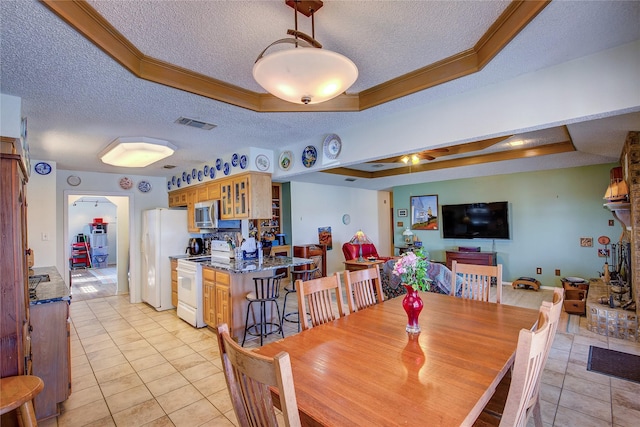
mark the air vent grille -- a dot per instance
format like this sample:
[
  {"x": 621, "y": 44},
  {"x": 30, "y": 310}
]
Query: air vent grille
[
  {"x": 169, "y": 166},
  {"x": 349, "y": 179},
  {"x": 195, "y": 123}
]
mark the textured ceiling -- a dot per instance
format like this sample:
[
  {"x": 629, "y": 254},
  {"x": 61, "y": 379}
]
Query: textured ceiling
[{"x": 78, "y": 99}]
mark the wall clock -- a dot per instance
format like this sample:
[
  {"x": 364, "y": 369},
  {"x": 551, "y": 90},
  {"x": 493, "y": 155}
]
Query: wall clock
[
  {"x": 346, "y": 219},
  {"x": 42, "y": 168}
]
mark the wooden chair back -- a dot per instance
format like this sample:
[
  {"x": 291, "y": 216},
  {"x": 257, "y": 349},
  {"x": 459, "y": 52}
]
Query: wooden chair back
[
  {"x": 476, "y": 280},
  {"x": 527, "y": 371},
  {"x": 320, "y": 299},
  {"x": 249, "y": 377},
  {"x": 364, "y": 288}
]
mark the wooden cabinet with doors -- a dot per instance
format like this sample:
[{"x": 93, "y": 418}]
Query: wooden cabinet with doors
[
  {"x": 15, "y": 350},
  {"x": 246, "y": 196},
  {"x": 268, "y": 227},
  {"x": 174, "y": 282},
  {"x": 191, "y": 195},
  {"x": 208, "y": 191},
  {"x": 216, "y": 297}
]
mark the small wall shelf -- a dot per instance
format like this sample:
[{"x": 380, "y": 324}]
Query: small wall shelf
[{"x": 621, "y": 211}]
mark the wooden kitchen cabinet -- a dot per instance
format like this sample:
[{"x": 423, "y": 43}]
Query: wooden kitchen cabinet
[
  {"x": 216, "y": 297},
  {"x": 208, "y": 297},
  {"x": 15, "y": 348},
  {"x": 223, "y": 299},
  {"x": 50, "y": 341},
  {"x": 226, "y": 199},
  {"x": 208, "y": 191},
  {"x": 191, "y": 196},
  {"x": 174, "y": 282}
]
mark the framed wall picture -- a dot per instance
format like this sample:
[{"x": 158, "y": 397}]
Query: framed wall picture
[
  {"x": 424, "y": 212},
  {"x": 403, "y": 212}
]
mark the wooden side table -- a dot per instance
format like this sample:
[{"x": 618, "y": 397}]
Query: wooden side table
[{"x": 353, "y": 265}]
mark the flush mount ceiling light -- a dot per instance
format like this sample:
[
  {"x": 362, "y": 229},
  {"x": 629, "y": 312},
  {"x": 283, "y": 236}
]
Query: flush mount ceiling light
[
  {"x": 136, "y": 152},
  {"x": 305, "y": 74}
]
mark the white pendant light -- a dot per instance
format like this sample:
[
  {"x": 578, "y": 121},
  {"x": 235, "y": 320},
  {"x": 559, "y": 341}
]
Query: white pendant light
[
  {"x": 136, "y": 152},
  {"x": 305, "y": 73}
]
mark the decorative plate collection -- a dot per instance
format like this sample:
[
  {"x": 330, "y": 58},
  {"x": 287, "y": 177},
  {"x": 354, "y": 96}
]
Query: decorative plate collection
[{"x": 126, "y": 184}]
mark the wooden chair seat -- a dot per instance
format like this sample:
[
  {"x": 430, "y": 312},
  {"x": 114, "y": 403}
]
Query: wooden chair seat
[{"x": 18, "y": 393}]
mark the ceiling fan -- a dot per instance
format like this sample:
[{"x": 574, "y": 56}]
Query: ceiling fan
[{"x": 422, "y": 155}]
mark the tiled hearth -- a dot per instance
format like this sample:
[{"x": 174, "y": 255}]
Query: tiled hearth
[{"x": 611, "y": 322}]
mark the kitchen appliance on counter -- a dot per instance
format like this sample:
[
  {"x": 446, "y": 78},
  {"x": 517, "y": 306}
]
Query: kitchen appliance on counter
[
  {"x": 220, "y": 251},
  {"x": 161, "y": 238},
  {"x": 196, "y": 246}
]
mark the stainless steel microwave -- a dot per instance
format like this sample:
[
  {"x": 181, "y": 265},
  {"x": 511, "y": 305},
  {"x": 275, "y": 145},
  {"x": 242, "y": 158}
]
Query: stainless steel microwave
[{"x": 206, "y": 214}]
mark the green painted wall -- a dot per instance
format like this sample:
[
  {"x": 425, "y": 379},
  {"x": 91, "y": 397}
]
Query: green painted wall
[{"x": 549, "y": 212}]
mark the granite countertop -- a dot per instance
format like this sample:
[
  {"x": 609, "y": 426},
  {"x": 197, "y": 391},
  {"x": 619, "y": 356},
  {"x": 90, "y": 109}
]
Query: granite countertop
[
  {"x": 253, "y": 265},
  {"x": 55, "y": 289}
]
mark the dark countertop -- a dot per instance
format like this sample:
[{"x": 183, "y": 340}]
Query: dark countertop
[
  {"x": 53, "y": 290},
  {"x": 252, "y": 266}
]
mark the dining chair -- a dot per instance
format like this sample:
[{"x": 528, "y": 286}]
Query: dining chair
[
  {"x": 525, "y": 377},
  {"x": 249, "y": 378},
  {"x": 364, "y": 288},
  {"x": 496, "y": 406},
  {"x": 321, "y": 298},
  {"x": 477, "y": 279}
]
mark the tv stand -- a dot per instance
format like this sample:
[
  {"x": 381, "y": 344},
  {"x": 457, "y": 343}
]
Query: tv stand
[{"x": 476, "y": 258}]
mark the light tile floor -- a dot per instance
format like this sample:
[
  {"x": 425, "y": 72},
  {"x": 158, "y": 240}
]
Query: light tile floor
[{"x": 134, "y": 366}]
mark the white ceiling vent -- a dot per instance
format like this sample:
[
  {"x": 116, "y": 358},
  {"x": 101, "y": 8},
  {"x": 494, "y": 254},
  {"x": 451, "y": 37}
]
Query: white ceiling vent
[{"x": 195, "y": 123}]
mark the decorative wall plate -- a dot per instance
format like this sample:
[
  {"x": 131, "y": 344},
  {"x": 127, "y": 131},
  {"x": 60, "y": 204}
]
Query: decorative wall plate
[
  {"x": 262, "y": 162},
  {"x": 200, "y": 175},
  {"x": 188, "y": 178},
  {"x": 206, "y": 170},
  {"x": 179, "y": 183},
  {"x": 42, "y": 168},
  {"x": 194, "y": 173},
  {"x": 286, "y": 160},
  {"x": 226, "y": 168},
  {"x": 219, "y": 164},
  {"x": 332, "y": 146},
  {"x": 309, "y": 156},
  {"x": 184, "y": 176},
  {"x": 212, "y": 172},
  {"x": 126, "y": 183},
  {"x": 144, "y": 186},
  {"x": 173, "y": 180},
  {"x": 234, "y": 160},
  {"x": 604, "y": 240},
  {"x": 74, "y": 180},
  {"x": 243, "y": 162},
  {"x": 168, "y": 185}
]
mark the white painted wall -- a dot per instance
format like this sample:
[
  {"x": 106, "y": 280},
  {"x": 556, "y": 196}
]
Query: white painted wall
[
  {"x": 41, "y": 216},
  {"x": 314, "y": 206}
]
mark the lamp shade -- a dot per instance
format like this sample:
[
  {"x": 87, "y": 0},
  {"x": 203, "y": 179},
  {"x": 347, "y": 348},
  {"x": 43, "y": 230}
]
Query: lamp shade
[
  {"x": 305, "y": 75},
  {"x": 136, "y": 152}
]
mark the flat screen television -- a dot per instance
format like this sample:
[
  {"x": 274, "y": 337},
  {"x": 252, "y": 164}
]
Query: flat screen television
[{"x": 476, "y": 221}]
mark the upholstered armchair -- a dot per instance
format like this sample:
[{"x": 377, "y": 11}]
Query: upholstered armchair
[{"x": 352, "y": 251}]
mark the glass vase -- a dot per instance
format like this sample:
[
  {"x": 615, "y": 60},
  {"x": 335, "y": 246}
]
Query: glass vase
[{"x": 412, "y": 304}]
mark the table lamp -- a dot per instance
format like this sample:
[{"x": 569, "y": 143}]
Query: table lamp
[
  {"x": 359, "y": 239},
  {"x": 408, "y": 236}
]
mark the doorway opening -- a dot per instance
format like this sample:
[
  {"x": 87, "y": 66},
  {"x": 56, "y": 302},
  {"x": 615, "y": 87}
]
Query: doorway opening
[{"x": 97, "y": 244}]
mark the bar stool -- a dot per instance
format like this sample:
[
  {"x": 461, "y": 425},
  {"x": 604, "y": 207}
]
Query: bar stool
[
  {"x": 267, "y": 290},
  {"x": 303, "y": 275},
  {"x": 18, "y": 393}
]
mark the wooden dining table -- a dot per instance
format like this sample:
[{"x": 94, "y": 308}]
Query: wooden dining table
[{"x": 365, "y": 369}]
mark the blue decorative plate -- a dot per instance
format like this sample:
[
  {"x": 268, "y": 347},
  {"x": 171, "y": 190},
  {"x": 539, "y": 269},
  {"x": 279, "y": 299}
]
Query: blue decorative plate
[
  {"x": 212, "y": 172},
  {"x": 199, "y": 175},
  {"x": 206, "y": 170},
  {"x": 243, "y": 161},
  {"x": 194, "y": 173},
  {"x": 309, "y": 156},
  {"x": 179, "y": 183},
  {"x": 42, "y": 168},
  {"x": 168, "y": 185},
  {"x": 144, "y": 186},
  {"x": 227, "y": 168},
  {"x": 234, "y": 160},
  {"x": 184, "y": 176},
  {"x": 173, "y": 180},
  {"x": 188, "y": 179},
  {"x": 219, "y": 164}
]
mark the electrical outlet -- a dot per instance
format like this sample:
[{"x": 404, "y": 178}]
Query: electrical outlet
[
  {"x": 610, "y": 223},
  {"x": 539, "y": 270},
  {"x": 557, "y": 271},
  {"x": 45, "y": 236}
]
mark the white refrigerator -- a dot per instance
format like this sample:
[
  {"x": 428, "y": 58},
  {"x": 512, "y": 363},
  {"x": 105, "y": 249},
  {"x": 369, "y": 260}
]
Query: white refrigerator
[{"x": 164, "y": 234}]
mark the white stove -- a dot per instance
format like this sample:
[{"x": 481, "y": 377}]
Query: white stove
[{"x": 190, "y": 292}]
